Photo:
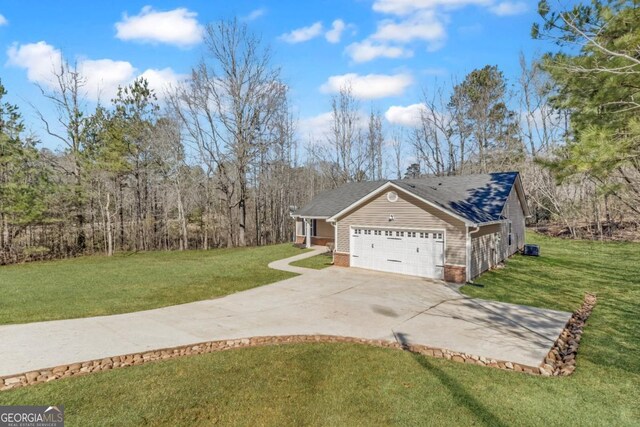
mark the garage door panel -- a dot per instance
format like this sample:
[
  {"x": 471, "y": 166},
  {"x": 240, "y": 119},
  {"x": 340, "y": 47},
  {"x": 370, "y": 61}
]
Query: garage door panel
[{"x": 416, "y": 253}]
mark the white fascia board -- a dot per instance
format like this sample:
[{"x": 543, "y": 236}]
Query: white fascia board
[{"x": 482, "y": 224}]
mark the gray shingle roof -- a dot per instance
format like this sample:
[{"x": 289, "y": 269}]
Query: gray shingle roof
[
  {"x": 330, "y": 202},
  {"x": 476, "y": 198}
]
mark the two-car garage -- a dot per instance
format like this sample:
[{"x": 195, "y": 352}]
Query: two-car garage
[{"x": 403, "y": 251}]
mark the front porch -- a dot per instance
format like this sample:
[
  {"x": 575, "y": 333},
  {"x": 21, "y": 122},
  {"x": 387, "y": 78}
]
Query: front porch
[{"x": 314, "y": 231}]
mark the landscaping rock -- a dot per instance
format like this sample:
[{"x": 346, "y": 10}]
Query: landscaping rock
[
  {"x": 32, "y": 376},
  {"x": 59, "y": 369},
  {"x": 561, "y": 358},
  {"x": 12, "y": 381}
]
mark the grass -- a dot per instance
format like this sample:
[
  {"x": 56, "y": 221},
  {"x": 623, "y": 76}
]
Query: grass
[
  {"x": 317, "y": 262},
  {"x": 559, "y": 279},
  {"x": 344, "y": 384},
  {"x": 97, "y": 285}
]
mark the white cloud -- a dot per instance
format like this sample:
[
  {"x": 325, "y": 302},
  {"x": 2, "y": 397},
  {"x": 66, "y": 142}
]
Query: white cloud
[
  {"x": 405, "y": 7},
  {"x": 255, "y": 14},
  {"x": 370, "y": 86},
  {"x": 424, "y": 25},
  {"x": 40, "y": 60},
  {"x": 177, "y": 27},
  {"x": 162, "y": 80},
  {"x": 318, "y": 129},
  {"x": 392, "y": 34},
  {"x": 508, "y": 8},
  {"x": 101, "y": 76},
  {"x": 335, "y": 33},
  {"x": 303, "y": 34},
  {"x": 367, "y": 51},
  {"x": 315, "y": 127},
  {"x": 405, "y": 116},
  {"x": 3, "y": 21}
]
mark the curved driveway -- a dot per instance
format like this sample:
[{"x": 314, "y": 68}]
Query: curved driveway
[{"x": 333, "y": 301}]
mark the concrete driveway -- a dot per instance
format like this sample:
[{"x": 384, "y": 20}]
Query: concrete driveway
[{"x": 334, "y": 301}]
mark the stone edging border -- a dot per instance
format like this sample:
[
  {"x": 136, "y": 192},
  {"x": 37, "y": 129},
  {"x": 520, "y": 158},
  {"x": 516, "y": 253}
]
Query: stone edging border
[
  {"x": 559, "y": 362},
  {"x": 561, "y": 359},
  {"x": 108, "y": 363}
]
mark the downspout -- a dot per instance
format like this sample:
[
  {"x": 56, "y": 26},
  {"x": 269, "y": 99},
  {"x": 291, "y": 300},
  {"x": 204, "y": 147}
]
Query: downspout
[{"x": 469, "y": 233}]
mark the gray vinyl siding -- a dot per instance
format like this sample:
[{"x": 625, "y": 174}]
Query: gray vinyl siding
[
  {"x": 483, "y": 245},
  {"x": 490, "y": 244},
  {"x": 408, "y": 212},
  {"x": 513, "y": 211}
]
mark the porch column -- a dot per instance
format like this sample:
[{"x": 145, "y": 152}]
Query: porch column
[{"x": 307, "y": 224}]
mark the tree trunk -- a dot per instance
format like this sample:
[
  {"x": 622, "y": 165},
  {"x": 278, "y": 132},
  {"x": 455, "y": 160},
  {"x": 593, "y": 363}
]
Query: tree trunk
[
  {"x": 184, "y": 238},
  {"x": 109, "y": 230}
]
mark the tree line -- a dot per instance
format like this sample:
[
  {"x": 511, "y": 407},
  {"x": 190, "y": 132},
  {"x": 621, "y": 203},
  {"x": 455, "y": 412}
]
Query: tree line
[{"x": 218, "y": 162}]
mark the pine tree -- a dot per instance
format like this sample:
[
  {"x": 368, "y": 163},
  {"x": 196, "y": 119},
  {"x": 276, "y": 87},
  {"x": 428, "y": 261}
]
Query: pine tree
[{"x": 24, "y": 179}]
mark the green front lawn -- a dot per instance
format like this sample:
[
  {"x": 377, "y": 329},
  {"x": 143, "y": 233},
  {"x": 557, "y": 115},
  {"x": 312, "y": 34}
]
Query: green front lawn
[
  {"x": 345, "y": 384},
  {"x": 97, "y": 285},
  {"x": 317, "y": 262}
]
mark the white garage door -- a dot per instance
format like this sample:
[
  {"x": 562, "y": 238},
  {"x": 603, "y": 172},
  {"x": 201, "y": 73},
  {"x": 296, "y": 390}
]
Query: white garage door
[{"x": 412, "y": 252}]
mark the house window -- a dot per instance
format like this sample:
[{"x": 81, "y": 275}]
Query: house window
[
  {"x": 399, "y": 233},
  {"x": 388, "y": 233},
  {"x": 392, "y": 196},
  {"x": 510, "y": 239}
]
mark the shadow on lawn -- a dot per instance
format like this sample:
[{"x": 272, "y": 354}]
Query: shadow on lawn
[{"x": 457, "y": 390}]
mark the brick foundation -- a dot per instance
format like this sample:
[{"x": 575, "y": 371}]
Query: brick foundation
[
  {"x": 322, "y": 241},
  {"x": 341, "y": 260},
  {"x": 455, "y": 274}
]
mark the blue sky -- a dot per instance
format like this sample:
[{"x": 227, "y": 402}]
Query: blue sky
[{"x": 387, "y": 49}]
